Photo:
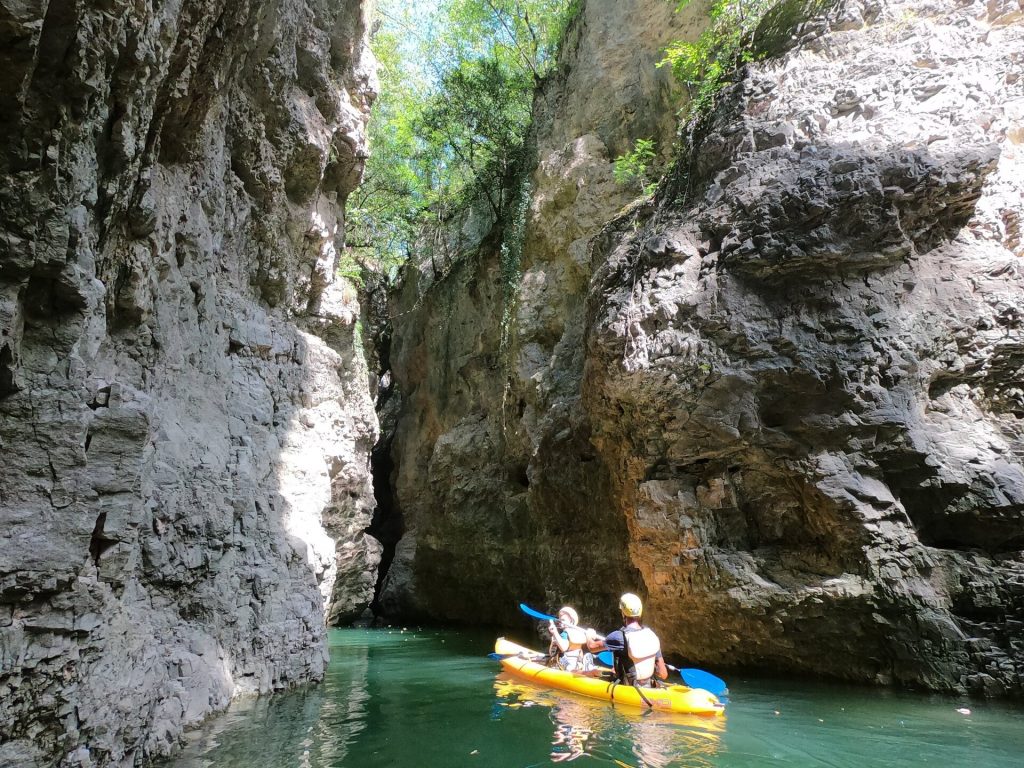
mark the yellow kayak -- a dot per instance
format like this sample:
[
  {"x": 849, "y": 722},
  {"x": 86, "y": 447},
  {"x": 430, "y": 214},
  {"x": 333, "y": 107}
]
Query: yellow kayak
[{"x": 528, "y": 665}]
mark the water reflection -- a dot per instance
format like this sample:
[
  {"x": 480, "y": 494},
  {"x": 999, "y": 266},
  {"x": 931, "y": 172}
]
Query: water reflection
[
  {"x": 670, "y": 742},
  {"x": 588, "y": 727},
  {"x": 342, "y": 717},
  {"x": 573, "y": 730},
  {"x": 430, "y": 699},
  {"x": 309, "y": 728}
]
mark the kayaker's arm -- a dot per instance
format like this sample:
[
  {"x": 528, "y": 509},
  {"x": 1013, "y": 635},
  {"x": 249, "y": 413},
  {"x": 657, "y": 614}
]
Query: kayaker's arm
[
  {"x": 660, "y": 669},
  {"x": 557, "y": 639},
  {"x": 595, "y": 642}
]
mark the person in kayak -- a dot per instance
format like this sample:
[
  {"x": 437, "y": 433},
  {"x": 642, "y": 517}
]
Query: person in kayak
[
  {"x": 571, "y": 642},
  {"x": 636, "y": 648}
]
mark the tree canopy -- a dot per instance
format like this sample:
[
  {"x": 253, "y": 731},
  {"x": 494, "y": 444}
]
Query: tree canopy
[{"x": 457, "y": 80}]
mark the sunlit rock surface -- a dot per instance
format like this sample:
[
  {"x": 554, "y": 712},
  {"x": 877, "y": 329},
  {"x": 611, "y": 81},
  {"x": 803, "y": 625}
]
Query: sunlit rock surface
[
  {"x": 783, "y": 401},
  {"x": 185, "y": 420}
]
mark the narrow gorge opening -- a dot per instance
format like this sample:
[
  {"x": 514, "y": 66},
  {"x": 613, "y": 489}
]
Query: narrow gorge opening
[
  {"x": 387, "y": 525},
  {"x": 447, "y": 137}
]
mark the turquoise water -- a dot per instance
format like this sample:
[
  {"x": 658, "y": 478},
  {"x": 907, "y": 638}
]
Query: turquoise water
[{"x": 433, "y": 698}]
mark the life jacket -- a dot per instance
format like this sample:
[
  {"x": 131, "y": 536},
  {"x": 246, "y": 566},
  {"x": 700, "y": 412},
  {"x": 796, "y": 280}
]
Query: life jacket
[
  {"x": 577, "y": 636},
  {"x": 642, "y": 646},
  {"x": 575, "y": 657}
]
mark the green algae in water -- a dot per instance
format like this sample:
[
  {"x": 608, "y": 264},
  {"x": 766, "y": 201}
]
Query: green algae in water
[{"x": 433, "y": 698}]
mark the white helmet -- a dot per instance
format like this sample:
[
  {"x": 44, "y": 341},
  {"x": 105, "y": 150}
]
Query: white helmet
[{"x": 574, "y": 618}]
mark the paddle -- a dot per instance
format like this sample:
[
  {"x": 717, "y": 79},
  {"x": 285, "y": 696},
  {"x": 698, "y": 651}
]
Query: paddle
[
  {"x": 500, "y": 656},
  {"x": 694, "y": 678},
  {"x": 536, "y": 614},
  {"x": 698, "y": 678}
]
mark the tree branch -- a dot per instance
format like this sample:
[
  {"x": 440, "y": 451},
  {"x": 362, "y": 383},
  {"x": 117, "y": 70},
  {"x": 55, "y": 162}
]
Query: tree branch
[{"x": 500, "y": 16}]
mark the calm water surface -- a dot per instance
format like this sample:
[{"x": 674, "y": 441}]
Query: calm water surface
[{"x": 433, "y": 698}]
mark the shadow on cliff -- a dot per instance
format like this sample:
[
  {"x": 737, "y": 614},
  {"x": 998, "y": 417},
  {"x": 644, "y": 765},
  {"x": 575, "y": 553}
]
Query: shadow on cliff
[{"x": 179, "y": 461}]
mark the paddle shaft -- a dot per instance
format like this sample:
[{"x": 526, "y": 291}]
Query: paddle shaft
[{"x": 544, "y": 617}]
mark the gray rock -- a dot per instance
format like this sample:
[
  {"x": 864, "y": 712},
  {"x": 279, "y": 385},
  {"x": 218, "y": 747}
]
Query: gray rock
[
  {"x": 796, "y": 430},
  {"x": 185, "y": 419}
]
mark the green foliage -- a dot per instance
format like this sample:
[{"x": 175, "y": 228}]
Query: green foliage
[
  {"x": 739, "y": 31},
  {"x": 520, "y": 35},
  {"x": 350, "y": 268},
  {"x": 634, "y": 167},
  {"x": 706, "y": 65},
  {"x": 383, "y": 214},
  {"x": 478, "y": 121},
  {"x": 512, "y": 253},
  {"x": 457, "y": 79}
]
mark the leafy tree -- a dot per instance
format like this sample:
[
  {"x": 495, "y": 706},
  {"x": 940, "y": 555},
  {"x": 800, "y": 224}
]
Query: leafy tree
[
  {"x": 522, "y": 35},
  {"x": 480, "y": 117},
  {"x": 384, "y": 213},
  {"x": 451, "y": 118},
  {"x": 634, "y": 166},
  {"x": 731, "y": 40}
]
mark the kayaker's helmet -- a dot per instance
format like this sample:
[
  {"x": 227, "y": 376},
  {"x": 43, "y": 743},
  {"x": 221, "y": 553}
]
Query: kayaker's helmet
[
  {"x": 570, "y": 614},
  {"x": 631, "y": 606}
]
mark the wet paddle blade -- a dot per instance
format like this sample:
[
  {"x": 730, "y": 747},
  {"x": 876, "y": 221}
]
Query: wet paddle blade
[
  {"x": 536, "y": 614},
  {"x": 698, "y": 678},
  {"x": 539, "y": 657}
]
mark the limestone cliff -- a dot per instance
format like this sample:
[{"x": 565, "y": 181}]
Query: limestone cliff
[
  {"x": 495, "y": 475},
  {"x": 782, "y": 399},
  {"x": 185, "y": 420}
]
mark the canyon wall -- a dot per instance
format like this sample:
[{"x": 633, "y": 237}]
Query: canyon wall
[
  {"x": 501, "y": 493},
  {"x": 185, "y": 414},
  {"x": 782, "y": 398}
]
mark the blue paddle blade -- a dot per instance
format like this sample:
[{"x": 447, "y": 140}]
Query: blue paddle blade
[
  {"x": 698, "y": 678},
  {"x": 520, "y": 654},
  {"x": 536, "y": 614},
  {"x": 694, "y": 678}
]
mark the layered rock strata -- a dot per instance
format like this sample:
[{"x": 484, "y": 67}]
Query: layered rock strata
[
  {"x": 782, "y": 400},
  {"x": 185, "y": 417}
]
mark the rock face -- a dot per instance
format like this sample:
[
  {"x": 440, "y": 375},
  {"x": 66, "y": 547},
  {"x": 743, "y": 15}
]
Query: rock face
[
  {"x": 495, "y": 475},
  {"x": 783, "y": 400},
  {"x": 185, "y": 421}
]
